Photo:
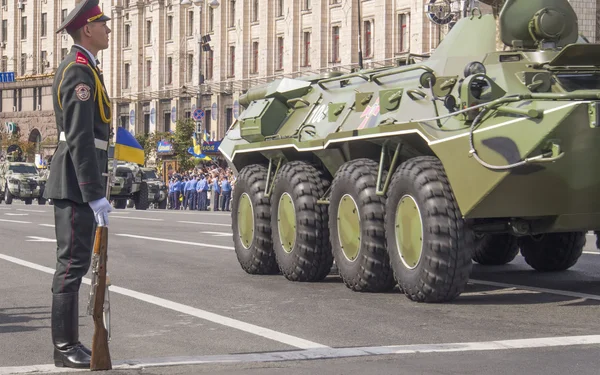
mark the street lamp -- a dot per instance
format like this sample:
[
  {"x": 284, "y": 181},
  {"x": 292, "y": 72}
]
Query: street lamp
[{"x": 214, "y": 4}]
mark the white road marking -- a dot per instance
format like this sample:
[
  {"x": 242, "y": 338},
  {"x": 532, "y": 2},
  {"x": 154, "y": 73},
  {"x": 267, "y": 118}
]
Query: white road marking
[
  {"x": 201, "y": 223},
  {"x": 329, "y": 353},
  {"x": 14, "y": 214},
  {"x": 536, "y": 289},
  {"x": 47, "y": 225},
  {"x": 15, "y": 221},
  {"x": 199, "y": 244},
  {"x": 5, "y": 208},
  {"x": 21, "y": 209},
  {"x": 40, "y": 239},
  {"x": 202, "y": 314},
  {"x": 136, "y": 218},
  {"x": 591, "y": 252},
  {"x": 218, "y": 234}
]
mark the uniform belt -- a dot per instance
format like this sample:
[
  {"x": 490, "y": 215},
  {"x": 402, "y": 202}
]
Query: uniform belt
[{"x": 100, "y": 144}]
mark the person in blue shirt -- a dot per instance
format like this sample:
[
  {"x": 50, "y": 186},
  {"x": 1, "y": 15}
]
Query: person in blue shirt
[
  {"x": 216, "y": 192},
  {"x": 171, "y": 193},
  {"x": 184, "y": 191},
  {"x": 178, "y": 189},
  {"x": 191, "y": 192},
  {"x": 226, "y": 191},
  {"x": 202, "y": 189}
]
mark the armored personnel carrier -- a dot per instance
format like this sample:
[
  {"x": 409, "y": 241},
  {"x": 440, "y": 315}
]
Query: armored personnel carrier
[
  {"x": 21, "y": 180},
  {"x": 127, "y": 183},
  {"x": 157, "y": 190},
  {"x": 405, "y": 174}
]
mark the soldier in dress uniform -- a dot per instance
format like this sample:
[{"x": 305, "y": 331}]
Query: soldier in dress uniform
[{"x": 76, "y": 184}]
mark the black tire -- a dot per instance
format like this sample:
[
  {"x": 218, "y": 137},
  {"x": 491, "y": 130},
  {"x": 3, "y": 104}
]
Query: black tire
[
  {"x": 552, "y": 251},
  {"x": 442, "y": 270},
  {"x": 310, "y": 258},
  {"x": 41, "y": 201},
  {"x": 120, "y": 203},
  {"x": 163, "y": 204},
  {"x": 370, "y": 271},
  {"x": 258, "y": 258},
  {"x": 141, "y": 197},
  {"x": 8, "y": 197},
  {"x": 495, "y": 249}
]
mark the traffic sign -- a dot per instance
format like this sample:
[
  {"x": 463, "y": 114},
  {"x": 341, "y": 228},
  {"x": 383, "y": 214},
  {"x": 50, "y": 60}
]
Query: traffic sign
[{"x": 198, "y": 114}]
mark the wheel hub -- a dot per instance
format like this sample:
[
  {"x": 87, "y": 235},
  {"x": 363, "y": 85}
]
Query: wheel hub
[
  {"x": 348, "y": 227},
  {"x": 245, "y": 219},
  {"x": 409, "y": 232},
  {"x": 286, "y": 222}
]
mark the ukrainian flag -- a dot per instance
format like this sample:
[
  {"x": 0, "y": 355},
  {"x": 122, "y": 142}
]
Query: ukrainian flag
[{"x": 127, "y": 147}]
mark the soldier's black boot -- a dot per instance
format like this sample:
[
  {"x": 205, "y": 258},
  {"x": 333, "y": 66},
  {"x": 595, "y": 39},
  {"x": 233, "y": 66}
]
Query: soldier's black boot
[{"x": 68, "y": 351}]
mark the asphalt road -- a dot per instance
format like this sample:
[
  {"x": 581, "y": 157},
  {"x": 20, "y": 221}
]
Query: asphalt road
[{"x": 182, "y": 305}]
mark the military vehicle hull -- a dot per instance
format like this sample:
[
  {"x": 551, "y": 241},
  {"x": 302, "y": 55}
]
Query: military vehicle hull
[
  {"x": 127, "y": 184},
  {"x": 20, "y": 180},
  {"x": 415, "y": 170}
]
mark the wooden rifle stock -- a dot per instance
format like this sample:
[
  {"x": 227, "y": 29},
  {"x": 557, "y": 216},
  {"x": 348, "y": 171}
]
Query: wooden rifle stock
[{"x": 100, "y": 352}]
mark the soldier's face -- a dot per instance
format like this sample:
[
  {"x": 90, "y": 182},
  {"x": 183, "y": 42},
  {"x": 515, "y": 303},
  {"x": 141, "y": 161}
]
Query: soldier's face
[{"x": 99, "y": 34}]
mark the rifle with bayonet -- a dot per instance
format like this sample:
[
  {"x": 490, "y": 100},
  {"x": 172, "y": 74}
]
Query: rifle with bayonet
[{"x": 99, "y": 301}]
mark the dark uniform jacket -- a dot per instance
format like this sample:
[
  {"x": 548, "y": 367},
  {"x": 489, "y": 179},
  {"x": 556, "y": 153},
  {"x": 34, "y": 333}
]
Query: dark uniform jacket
[{"x": 81, "y": 157}]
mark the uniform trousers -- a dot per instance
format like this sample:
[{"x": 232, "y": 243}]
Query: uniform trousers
[{"x": 75, "y": 228}]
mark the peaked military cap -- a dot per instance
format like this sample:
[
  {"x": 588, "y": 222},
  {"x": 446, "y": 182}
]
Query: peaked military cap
[{"x": 85, "y": 12}]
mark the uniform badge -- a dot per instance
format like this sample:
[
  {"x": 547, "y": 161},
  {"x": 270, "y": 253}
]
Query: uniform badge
[{"x": 83, "y": 92}]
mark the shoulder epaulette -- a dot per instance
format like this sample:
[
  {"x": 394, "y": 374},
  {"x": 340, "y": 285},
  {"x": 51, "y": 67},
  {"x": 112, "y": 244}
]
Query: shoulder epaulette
[{"x": 81, "y": 59}]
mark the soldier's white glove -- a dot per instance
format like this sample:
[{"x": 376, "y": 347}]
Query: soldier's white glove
[{"x": 101, "y": 208}]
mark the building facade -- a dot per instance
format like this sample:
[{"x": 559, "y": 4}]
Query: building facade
[{"x": 161, "y": 65}]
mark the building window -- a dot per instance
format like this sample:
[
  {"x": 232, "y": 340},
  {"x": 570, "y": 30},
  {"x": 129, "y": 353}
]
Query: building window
[
  {"x": 231, "y": 13},
  {"x": 23, "y": 63},
  {"x": 190, "y": 23},
  {"x": 148, "y": 73},
  {"x": 63, "y": 53},
  {"x": 255, "y": 11},
  {"x": 169, "y": 27},
  {"x": 211, "y": 19},
  {"x": 403, "y": 32},
  {"x": 306, "y": 5},
  {"x": 127, "y": 72},
  {"x": 44, "y": 24},
  {"x": 305, "y": 51},
  {"x": 368, "y": 39},
  {"x": 4, "y": 30},
  {"x": 335, "y": 44},
  {"x": 232, "y": 61},
  {"x": 169, "y": 78},
  {"x": 4, "y": 66},
  {"x": 63, "y": 16},
  {"x": 279, "y": 8},
  {"x": 279, "y": 54},
  {"x": 148, "y": 32},
  {"x": 43, "y": 62},
  {"x": 190, "y": 67},
  {"x": 209, "y": 65},
  {"x": 254, "y": 58},
  {"x": 24, "y": 27},
  {"x": 127, "y": 36}
]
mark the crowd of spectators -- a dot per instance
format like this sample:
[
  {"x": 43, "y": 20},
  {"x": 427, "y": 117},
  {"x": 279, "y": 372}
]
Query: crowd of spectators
[{"x": 207, "y": 187}]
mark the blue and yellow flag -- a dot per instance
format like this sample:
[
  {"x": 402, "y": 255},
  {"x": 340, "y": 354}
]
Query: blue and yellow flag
[{"x": 127, "y": 147}]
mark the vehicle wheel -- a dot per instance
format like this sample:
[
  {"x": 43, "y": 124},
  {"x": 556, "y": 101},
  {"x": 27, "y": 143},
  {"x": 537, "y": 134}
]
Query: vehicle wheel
[
  {"x": 120, "y": 203},
  {"x": 552, "y": 251},
  {"x": 163, "y": 204},
  {"x": 8, "y": 197},
  {"x": 429, "y": 244},
  {"x": 300, "y": 230},
  {"x": 41, "y": 201},
  {"x": 251, "y": 222},
  {"x": 28, "y": 201},
  {"x": 141, "y": 198},
  {"x": 495, "y": 249},
  {"x": 357, "y": 232}
]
